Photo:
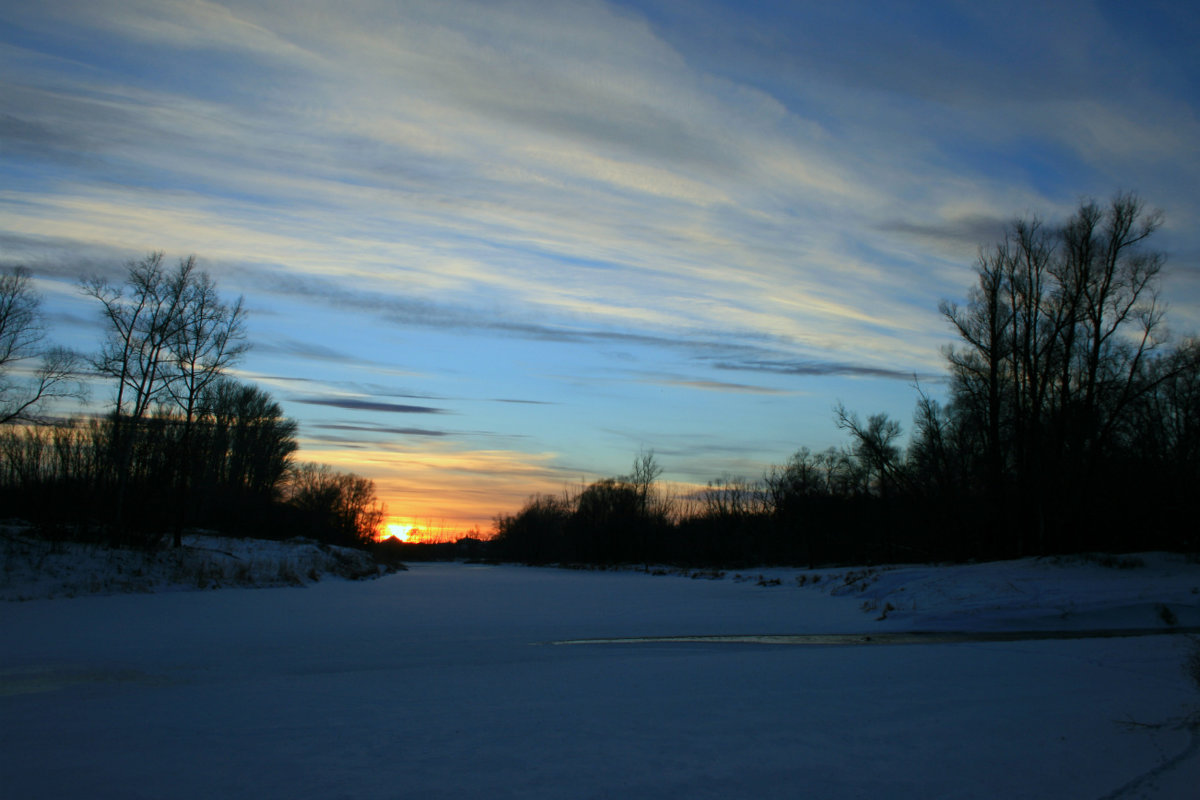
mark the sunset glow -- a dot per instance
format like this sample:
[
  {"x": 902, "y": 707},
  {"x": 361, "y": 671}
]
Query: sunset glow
[{"x": 397, "y": 530}]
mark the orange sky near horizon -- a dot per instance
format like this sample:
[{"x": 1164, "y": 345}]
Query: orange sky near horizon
[{"x": 445, "y": 494}]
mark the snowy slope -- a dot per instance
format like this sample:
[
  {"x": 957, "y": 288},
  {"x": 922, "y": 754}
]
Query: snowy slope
[
  {"x": 32, "y": 568},
  {"x": 1068, "y": 593},
  {"x": 445, "y": 682}
]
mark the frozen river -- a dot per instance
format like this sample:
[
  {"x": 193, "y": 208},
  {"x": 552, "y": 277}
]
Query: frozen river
[{"x": 443, "y": 682}]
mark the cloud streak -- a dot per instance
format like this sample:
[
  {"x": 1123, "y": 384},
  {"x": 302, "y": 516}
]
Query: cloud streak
[
  {"x": 382, "y": 429},
  {"x": 817, "y": 369},
  {"x": 356, "y": 404}
]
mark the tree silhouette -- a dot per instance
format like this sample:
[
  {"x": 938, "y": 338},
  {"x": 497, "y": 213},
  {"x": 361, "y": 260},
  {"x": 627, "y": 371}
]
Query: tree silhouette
[
  {"x": 168, "y": 338},
  {"x": 1059, "y": 344},
  {"x": 22, "y": 334}
]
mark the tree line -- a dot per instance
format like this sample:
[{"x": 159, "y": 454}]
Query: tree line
[
  {"x": 184, "y": 445},
  {"x": 1071, "y": 423}
]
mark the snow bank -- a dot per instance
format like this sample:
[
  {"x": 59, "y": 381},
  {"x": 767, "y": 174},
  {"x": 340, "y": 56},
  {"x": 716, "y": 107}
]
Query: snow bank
[
  {"x": 33, "y": 568},
  {"x": 1066, "y": 593}
]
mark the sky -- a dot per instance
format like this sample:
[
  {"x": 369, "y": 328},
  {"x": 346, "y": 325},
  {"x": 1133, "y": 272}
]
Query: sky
[{"x": 496, "y": 249}]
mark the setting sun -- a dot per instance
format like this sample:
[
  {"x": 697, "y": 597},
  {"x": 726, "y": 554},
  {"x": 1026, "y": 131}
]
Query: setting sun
[{"x": 398, "y": 530}]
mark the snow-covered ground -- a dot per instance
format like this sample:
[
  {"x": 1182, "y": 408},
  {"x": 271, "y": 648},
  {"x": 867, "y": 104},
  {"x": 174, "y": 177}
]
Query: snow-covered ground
[
  {"x": 446, "y": 681},
  {"x": 33, "y": 568}
]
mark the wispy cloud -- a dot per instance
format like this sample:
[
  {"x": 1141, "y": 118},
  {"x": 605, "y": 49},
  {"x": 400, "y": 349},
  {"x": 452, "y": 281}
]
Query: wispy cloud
[
  {"x": 381, "y": 429},
  {"x": 357, "y": 404},
  {"x": 307, "y": 350},
  {"x": 522, "y": 402},
  {"x": 610, "y": 134},
  {"x": 817, "y": 369},
  {"x": 969, "y": 230},
  {"x": 719, "y": 386}
]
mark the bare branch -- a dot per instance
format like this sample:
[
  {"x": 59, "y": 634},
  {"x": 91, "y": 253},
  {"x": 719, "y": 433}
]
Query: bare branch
[{"x": 21, "y": 334}]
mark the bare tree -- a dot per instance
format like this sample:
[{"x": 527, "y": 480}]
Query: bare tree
[
  {"x": 340, "y": 507},
  {"x": 208, "y": 339},
  {"x": 734, "y": 498},
  {"x": 791, "y": 483},
  {"x": 931, "y": 454},
  {"x": 1119, "y": 316},
  {"x": 874, "y": 444},
  {"x": 249, "y": 440},
  {"x": 169, "y": 337},
  {"x": 144, "y": 316},
  {"x": 645, "y": 472},
  {"x": 1056, "y": 347},
  {"x": 49, "y": 372},
  {"x": 979, "y": 368}
]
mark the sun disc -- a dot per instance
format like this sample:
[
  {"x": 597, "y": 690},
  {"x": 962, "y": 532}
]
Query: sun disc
[{"x": 398, "y": 530}]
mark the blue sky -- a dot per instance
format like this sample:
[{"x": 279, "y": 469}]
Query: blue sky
[{"x": 491, "y": 249}]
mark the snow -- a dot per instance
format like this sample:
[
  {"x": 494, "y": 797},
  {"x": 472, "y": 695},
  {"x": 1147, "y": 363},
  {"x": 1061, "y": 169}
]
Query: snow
[
  {"x": 446, "y": 681},
  {"x": 33, "y": 568}
]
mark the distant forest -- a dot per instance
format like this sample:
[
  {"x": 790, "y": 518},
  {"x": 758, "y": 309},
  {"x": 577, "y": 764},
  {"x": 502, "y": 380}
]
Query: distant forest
[
  {"x": 183, "y": 445},
  {"x": 1072, "y": 424}
]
